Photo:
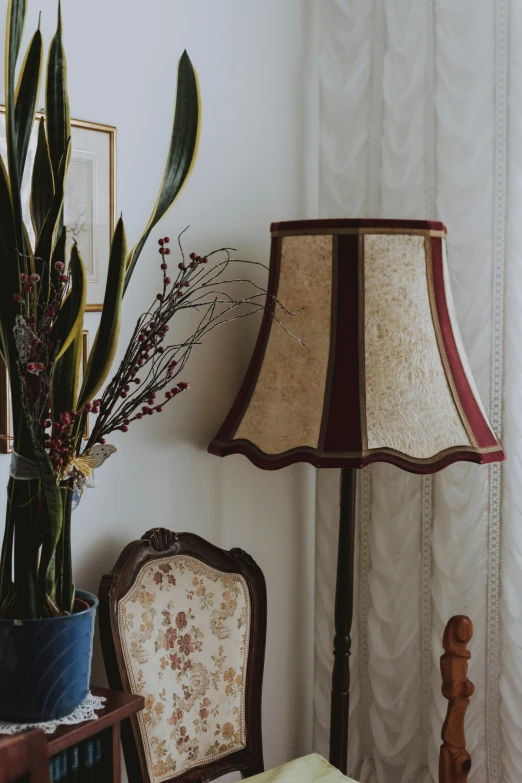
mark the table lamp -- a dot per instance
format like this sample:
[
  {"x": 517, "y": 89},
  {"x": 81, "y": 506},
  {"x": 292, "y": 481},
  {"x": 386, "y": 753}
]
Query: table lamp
[{"x": 382, "y": 377}]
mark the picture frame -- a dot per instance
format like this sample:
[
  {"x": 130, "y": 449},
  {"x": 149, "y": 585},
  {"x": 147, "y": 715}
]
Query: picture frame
[
  {"x": 6, "y": 443},
  {"x": 90, "y": 197}
]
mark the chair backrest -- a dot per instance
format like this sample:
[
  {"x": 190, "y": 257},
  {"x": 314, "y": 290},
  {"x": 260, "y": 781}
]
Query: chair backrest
[
  {"x": 24, "y": 756},
  {"x": 183, "y": 623}
]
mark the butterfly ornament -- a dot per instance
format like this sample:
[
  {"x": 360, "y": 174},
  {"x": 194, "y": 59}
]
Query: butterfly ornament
[{"x": 81, "y": 468}]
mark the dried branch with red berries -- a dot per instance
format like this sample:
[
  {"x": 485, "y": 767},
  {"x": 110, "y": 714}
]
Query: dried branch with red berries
[
  {"x": 149, "y": 366},
  {"x": 146, "y": 379}
]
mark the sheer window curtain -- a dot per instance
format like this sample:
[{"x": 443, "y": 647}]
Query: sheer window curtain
[{"x": 420, "y": 116}]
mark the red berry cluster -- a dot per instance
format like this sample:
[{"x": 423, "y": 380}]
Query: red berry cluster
[
  {"x": 92, "y": 407},
  {"x": 150, "y": 338},
  {"x": 195, "y": 260},
  {"x": 128, "y": 398},
  {"x": 36, "y": 351},
  {"x": 35, "y": 367},
  {"x": 63, "y": 279},
  {"x": 60, "y": 441},
  {"x": 39, "y": 355},
  {"x": 163, "y": 251},
  {"x": 182, "y": 280},
  {"x": 27, "y": 282},
  {"x": 37, "y": 372}
]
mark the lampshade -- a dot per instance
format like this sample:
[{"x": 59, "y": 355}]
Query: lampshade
[{"x": 382, "y": 374}]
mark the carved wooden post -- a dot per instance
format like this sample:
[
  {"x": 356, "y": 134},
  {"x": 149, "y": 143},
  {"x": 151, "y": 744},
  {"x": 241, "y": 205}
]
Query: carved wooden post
[{"x": 454, "y": 760}]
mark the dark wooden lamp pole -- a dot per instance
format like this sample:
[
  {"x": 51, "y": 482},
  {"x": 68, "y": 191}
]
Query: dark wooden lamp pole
[{"x": 343, "y": 623}]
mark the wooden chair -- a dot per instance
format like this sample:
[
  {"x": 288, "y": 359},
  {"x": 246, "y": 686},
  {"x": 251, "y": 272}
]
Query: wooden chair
[
  {"x": 24, "y": 756},
  {"x": 183, "y": 623}
]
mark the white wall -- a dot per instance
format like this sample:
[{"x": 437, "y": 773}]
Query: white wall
[{"x": 122, "y": 59}]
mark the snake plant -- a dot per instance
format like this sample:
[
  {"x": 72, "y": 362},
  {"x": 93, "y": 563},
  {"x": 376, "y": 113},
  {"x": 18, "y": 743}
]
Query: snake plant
[{"x": 35, "y": 566}]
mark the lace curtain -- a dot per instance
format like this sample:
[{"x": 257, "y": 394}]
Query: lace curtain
[{"x": 420, "y": 116}]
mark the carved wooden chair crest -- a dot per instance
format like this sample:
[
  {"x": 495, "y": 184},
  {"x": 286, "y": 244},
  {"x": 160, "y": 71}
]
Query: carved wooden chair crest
[{"x": 183, "y": 623}]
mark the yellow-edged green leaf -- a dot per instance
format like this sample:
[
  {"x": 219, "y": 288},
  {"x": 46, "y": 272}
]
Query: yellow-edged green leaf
[
  {"x": 42, "y": 184},
  {"x": 106, "y": 340},
  {"x": 14, "y": 29},
  {"x": 9, "y": 265},
  {"x": 26, "y": 97},
  {"x": 181, "y": 155},
  {"x": 52, "y": 228},
  {"x": 29, "y": 256},
  {"x": 64, "y": 390},
  {"x": 9, "y": 285},
  {"x": 28, "y": 249},
  {"x": 58, "y": 255},
  {"x": 70, "y": 318},
  {"x": 52, "y": 530},
  {"x": 56, "y": 100}
]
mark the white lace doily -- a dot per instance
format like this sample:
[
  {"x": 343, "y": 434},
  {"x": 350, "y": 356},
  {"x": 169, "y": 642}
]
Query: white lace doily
[{"x": 85, "y": 711}]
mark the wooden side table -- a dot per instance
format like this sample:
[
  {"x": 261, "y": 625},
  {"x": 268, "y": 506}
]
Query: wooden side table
[{"x": 117, "y": 708}]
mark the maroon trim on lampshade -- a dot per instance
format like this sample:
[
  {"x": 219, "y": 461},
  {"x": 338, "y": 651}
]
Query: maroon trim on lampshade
[
  {"x": 479, "y": 426},
  {"x": 229, "y": 427},
  {"x": 307, "y": 454},
  {"x": 342, "y": 430},
  {"x": 335, "y": 224}
]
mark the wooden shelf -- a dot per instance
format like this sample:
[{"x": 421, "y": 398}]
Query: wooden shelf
[{"x": 118, "y": 707}]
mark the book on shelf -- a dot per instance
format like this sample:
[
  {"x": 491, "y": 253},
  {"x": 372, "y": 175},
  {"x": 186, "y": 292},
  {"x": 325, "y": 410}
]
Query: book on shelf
[
  {"x": 74, "y": 764},
  {"x": 79, "y": 764}
]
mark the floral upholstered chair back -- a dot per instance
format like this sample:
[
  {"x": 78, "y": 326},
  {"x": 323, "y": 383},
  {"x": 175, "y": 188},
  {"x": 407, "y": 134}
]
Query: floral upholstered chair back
[{"x": 183, "y": 625}]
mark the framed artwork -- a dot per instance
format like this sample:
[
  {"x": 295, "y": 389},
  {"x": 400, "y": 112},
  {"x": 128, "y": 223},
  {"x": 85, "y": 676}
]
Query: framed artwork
[
  {"x": 6, "y": 444},
  {"x": 90, "y": 197}
]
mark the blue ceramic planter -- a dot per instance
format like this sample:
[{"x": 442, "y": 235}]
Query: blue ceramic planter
[{"x": 45, "y": 665}]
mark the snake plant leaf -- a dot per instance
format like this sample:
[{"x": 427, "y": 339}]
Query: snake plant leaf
[
  {"x": 28, "y": 249},
  {"x": 26, "y": 97},
  {"x": 42, "y": 184},
  {"x": 70, "y": 317},
  {"x": 181, "y": 155},
  {"x": 106, "y": 340},
  {"x": 29, "y": 259},
  {"x": 9, "y": 266},
  {"x": 52, "y": 229},
  {"x": 53, "y": 528},
  {"x": 14, "y": 29},
  {"x": 66, "y": 372},
  {"x": 59, "y": 254},
  {"x": 56, "y": 99}
]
